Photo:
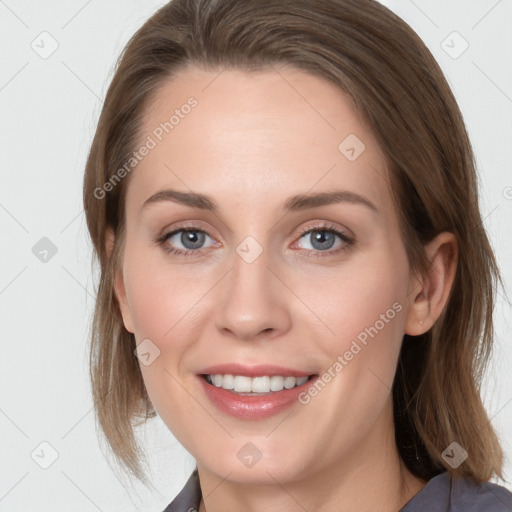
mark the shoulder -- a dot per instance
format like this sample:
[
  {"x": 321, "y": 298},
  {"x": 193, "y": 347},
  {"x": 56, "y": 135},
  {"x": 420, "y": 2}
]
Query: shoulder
[
  {"x": 470, "y": 496},
  {"x": 444, "y": 493},
  {"x": 189, "y": 497}
]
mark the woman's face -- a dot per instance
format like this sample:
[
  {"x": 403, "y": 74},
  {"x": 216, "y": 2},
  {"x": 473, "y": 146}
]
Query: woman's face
[{"x": 276, "y": 284}]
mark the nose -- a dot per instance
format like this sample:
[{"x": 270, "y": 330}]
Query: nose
[{"x": 252, "y": 302}]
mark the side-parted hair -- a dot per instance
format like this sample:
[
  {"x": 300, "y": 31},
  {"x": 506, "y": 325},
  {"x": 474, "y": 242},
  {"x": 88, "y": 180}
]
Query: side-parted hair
[{"x": 402, "y": 94}]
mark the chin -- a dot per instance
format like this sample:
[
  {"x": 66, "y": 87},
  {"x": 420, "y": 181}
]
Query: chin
[{"x": 245, "y": 463}]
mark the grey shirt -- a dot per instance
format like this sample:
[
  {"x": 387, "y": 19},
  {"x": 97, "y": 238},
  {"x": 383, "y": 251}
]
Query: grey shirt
[{"x": 441, "y": 494}]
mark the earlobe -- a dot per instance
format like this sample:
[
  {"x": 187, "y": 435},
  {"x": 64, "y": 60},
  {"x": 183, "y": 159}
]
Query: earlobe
[
  {"x": 429, "y": 296},
  {"x": 118, "y": 283},
  {"x": 418, "y": 312}
]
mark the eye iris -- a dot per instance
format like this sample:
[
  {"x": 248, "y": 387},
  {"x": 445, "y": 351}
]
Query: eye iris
[
  {"x": 194, "y": 237},
  {"x": 321, "y": 236}
]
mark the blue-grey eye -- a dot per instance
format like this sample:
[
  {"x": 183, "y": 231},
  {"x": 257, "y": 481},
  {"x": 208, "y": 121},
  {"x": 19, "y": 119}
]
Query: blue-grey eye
[
  {"x": 320, "y": 239},
  {"x": 190, "y": 239}
]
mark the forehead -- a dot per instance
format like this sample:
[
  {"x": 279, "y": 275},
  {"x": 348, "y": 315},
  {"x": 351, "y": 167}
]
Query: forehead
[{"x": 232, "y": 133}]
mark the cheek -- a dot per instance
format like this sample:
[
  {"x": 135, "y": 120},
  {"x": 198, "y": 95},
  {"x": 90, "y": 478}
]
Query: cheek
[
  {"x": 163, "y": 304},
  {"x": 150, "y": 312},
  {"x": 161, "y": 296},
  {"x": 365, "y": 308},
  {"x": 364, "y": 303}
]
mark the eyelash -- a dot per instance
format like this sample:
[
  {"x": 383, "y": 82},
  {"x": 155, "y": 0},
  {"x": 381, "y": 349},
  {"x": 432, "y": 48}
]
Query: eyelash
[{"x": 326, "y": 228}]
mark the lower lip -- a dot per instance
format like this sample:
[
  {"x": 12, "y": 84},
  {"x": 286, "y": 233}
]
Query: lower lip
[{"x": 253, "y": 407}]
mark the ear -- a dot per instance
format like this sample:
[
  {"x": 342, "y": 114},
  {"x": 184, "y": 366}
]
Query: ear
[
  {"x": 118, "y": 283},
  {"x": 428, "y": 297}
]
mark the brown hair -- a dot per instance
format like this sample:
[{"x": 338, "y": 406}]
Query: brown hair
[{"x": 399, "y": 89}]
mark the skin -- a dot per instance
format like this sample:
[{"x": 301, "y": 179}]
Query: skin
[{"x": 254, "y": 139}]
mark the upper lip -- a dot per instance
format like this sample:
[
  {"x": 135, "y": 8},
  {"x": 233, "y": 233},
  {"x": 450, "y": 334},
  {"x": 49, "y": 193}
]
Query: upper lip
[{"x": 253, "y": 370}]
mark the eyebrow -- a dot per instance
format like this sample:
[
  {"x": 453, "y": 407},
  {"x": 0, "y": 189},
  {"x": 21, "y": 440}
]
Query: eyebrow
[{"x": 294, "y": 203}]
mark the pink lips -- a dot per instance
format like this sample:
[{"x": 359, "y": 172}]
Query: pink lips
[{"x": 252, "y": 407}]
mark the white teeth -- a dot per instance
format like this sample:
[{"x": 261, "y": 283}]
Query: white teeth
[
  {"x": 242, "y": 383},
  {"x": 289, "y": 382},
  {"x": 276, "y": 383},
  {"x": 228, "y": 382},
  {"x": 260, "y": 384},
  {"x": 264, "y": 384},
  {"x": 301, "y": 380}
]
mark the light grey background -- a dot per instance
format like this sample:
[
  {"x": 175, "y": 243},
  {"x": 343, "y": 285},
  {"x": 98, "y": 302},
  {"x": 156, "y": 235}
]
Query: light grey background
[{"x": 49, "y": 105}]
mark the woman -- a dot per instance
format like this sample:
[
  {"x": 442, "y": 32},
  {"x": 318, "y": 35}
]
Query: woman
[{"x": 294, "y": 272}]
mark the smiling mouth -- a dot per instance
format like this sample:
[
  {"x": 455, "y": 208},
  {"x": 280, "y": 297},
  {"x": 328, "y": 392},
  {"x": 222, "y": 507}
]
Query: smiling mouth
[{"x": 255, "y": 386}]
